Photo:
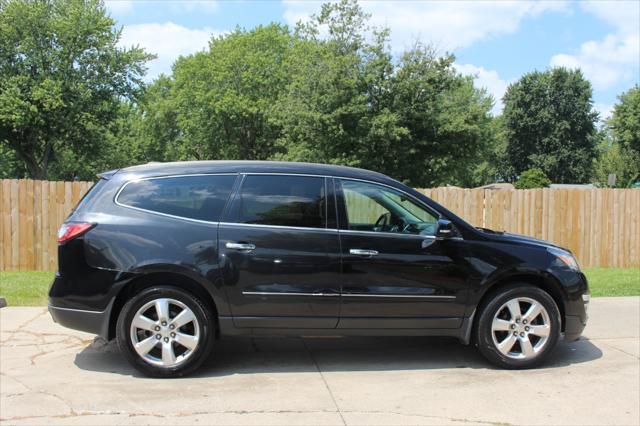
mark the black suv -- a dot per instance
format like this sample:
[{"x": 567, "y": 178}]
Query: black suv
[{"x": 168, "y": 257}]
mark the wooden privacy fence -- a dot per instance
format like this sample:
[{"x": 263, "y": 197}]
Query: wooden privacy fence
[
  {"x": 31, "y": 213},
  {"x": 601, "y": 226}
]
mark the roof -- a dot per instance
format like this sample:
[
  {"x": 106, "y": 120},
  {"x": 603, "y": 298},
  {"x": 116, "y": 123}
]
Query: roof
[
  {"x": 571, "y": 186},
  {"x": 230, "y": 166},
  {"x": 497, "y": 185}
]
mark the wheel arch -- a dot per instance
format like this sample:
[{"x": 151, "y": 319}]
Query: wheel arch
[
  {"x": 158, "y": 278},
  {"x": 545, "y": 282}
]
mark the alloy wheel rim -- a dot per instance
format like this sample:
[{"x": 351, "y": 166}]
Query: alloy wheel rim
[
  {"x": 165, "y": 332},
  {"x": 521, "y": 328}
]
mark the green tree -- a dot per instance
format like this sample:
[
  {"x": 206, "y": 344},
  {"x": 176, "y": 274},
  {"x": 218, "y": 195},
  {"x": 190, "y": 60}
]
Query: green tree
[
  {"x": 550, "y": 123},
  {"x": 62, "y": 82},
  {"x": 224, "y": 98},
  {"x": 349, "y": 103},
  {"x": 329, "y": 92},
  {"x": 625, "y": 120},
  {"x": 619, "y": 152},
  {"x": 532, "y": 178}
]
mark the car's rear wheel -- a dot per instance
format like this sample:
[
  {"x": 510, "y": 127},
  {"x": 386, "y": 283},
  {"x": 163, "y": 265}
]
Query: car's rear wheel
[
  {"x": 165, "y": 332},
  {"x": 518, "y": 327}
]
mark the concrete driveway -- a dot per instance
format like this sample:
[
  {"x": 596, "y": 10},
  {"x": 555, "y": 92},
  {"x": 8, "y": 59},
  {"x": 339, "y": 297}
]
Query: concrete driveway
[{"x": 53, "y": 375}]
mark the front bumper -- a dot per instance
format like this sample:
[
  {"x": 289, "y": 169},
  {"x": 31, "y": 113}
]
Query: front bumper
[
  {"x": 575, "y": 324},
  {"x": 94, "y": 322}
]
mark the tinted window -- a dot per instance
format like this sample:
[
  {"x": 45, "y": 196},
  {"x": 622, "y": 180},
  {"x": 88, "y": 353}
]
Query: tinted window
[
  {"x": 281, "y": 200},
  {"x": 193, "y": 197},
  {"x": 371, "y": 207}
]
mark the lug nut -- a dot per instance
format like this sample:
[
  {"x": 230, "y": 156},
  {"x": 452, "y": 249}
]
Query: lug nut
[
  {"x": 157, "y": 328},
  {"x": 513, "y": 326},
  {"x": 518, "y": 320},
  {"x": 521, "y": 334},
  {"x": 158, "y": 336},
  {"x": 526, "y": 328},
  {"x": 515, "y": 333},
  {"x": 166, "y": 340},
  {"x": 173, "y": 334},
  {"x": 164, "y": 323},
  {"x": 172, "y": 326},
  {"x": 524, "y": 321}
]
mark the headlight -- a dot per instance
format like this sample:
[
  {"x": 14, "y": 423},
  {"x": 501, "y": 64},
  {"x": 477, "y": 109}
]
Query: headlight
[{"x": 565, "y": 257}]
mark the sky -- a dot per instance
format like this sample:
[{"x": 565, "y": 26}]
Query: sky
[{"x": 495, "y": 41}]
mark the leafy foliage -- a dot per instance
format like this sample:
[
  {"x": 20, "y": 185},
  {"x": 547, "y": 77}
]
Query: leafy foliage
[
  {"x": 625, "y": 121},
  {"x": 620, "y": 147},
  {"x": 269, "y": 93},
  {"x": 550, "y": 123},
  {"x": 330, "y": 90},
  {"x": 532, "y": 178},
  {"x": 62, "y": 80}
]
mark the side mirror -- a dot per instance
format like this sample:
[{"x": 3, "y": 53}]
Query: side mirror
[{"x": 445, "y": 229}]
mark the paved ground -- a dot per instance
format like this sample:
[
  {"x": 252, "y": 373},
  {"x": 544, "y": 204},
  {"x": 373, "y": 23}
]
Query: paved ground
[{"x": 49, "y": 374}]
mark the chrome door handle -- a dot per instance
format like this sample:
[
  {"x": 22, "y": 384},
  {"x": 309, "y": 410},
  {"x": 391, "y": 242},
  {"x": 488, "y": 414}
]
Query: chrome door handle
[
  {"x": 241, "y": 246},
  {"x": 362, "y": 252}
]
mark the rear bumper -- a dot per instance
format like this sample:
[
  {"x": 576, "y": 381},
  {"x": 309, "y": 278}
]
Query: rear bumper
[{"x": 94, "y": 322}]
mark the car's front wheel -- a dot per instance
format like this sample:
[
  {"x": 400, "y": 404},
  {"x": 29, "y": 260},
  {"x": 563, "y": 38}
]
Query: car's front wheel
[
  {"x": 165, "y": 332},
  {"x": 518, "y": 327}
]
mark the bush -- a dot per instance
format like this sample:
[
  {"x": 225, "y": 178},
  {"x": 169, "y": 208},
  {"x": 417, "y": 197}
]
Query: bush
[{"x": 532, "y": 178}]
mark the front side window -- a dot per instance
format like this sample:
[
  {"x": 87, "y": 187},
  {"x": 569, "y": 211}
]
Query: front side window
[
  {"x": 298, "y": 201},
  {"x": 376, "y": 208},
  {"x": 191, "y": 197}
]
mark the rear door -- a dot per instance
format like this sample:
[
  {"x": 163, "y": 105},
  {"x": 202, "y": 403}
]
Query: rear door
[{"x": 280, "y": 254}]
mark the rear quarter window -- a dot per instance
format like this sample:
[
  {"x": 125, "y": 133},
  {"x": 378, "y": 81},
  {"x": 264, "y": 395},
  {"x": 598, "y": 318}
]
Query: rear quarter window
[{"x": 191, "y": 197}]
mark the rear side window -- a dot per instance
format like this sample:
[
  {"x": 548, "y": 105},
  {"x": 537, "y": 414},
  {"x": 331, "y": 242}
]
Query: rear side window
[
  {"x": 89, "y": 195},
  {"x": 192, "y": 197},
  {"x": 281, "y": 200}
]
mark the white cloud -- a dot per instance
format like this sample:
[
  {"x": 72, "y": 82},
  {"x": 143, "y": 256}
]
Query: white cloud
[
  {"x": 193, "y": 6},
  {"x": 605, "y": 62},
  {"x": 490, "y": 80},
  {"x": 124, "y": 7},
  {"x": 623, "y": 15},
  {"x": 168, "y": 41},
  {"x": 119, "y": 7},
  {"x": 614, "y": 59},
  {"x": 449, "y": 24}
]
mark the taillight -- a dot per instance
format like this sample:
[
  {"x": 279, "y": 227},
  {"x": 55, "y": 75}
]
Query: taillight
[{"x": 70, "y": 230}]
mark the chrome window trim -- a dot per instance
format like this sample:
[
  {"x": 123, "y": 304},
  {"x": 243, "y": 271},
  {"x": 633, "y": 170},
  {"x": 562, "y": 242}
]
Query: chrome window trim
[
  {"x": 386, "y": 234},
  {"x": 437, "y": 215},
  {"x": 238, "y": 193},
  {"x": 283, "y": 174},
  {"x": 206, "y": 222},
  {"x": 243, "y": 174},
  {"x": 293, "y": 228},
  {"x": 419, "y": 202}
]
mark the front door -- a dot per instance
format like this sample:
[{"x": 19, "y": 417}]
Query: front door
[
  {"x": 396, "y": 274},
  {"x": 279, "y": 252}
]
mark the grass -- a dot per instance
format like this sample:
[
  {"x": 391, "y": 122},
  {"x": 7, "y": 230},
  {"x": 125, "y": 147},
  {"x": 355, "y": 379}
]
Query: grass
[
  {"x": 613, "y": 281},
  {"x": 25, "y": 288},
  {"x": 31, "y": 288}
]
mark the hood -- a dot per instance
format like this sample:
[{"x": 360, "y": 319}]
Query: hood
[{"x": 518, "y": 239}]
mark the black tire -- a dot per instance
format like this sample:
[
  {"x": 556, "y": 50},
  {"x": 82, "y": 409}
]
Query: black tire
[
  {"x": 484, "y": 334},
  {"x": 206, "y": 330}
]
